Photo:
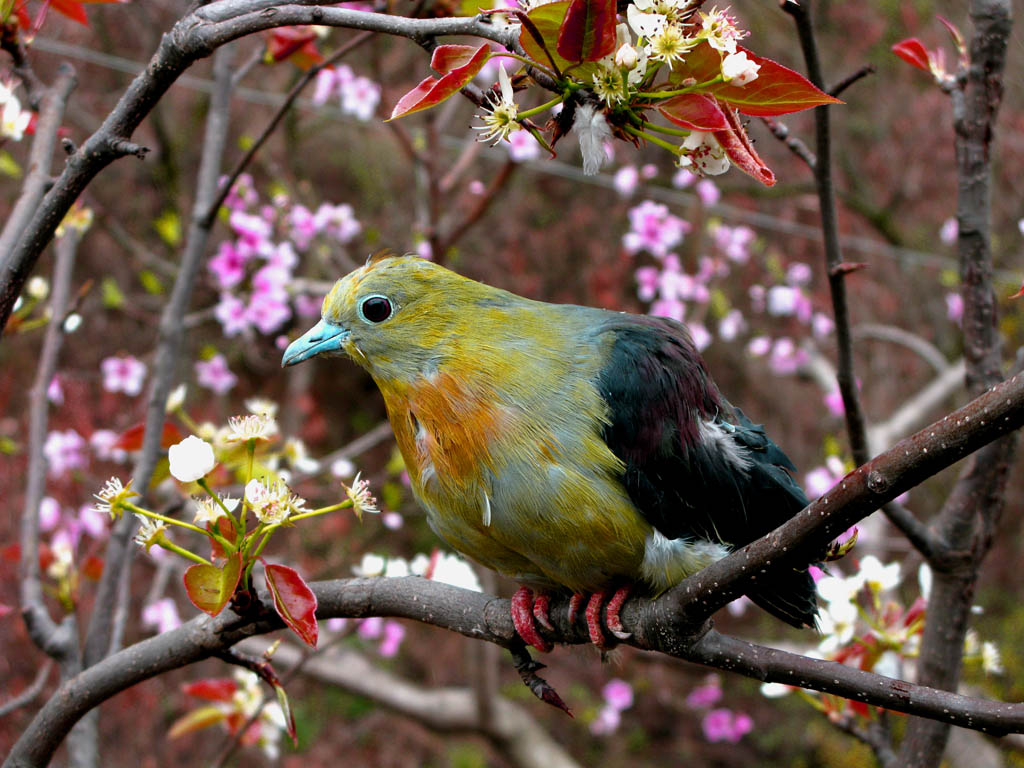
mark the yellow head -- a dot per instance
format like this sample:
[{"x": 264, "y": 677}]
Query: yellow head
[{"x": 393, "y": 315}]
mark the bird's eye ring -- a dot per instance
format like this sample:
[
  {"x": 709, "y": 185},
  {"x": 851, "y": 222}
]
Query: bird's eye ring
[{"x": 375, "y": 309}]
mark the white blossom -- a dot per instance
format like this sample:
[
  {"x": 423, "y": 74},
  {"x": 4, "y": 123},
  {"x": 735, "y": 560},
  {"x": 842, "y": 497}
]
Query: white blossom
[
  {"x": 738, "y": 69},
  {"x": 191, "y": 459}
]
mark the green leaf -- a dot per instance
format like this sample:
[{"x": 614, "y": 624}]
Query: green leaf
[
  {"x": 548, "y": 21},
  {"x": 431, "y": 91},
  {"x": 168, "y": 227},
  {"x": 151, "y": 283},
  {"x": 9, "y": 166},
  {"x": 588, "y": 31},
  {"x": 210, "y": 588},
  {"x": 112, "y": 295},
  {"x": 294, "y": 601}
]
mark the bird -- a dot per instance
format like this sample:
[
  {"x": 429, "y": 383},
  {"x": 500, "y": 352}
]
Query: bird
[{"x": 579, "y": 451}]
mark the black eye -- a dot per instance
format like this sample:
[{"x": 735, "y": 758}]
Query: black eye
[{"x": 375, "y": 309}]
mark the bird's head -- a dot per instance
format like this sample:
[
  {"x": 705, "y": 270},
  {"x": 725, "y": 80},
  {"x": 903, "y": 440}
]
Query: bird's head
[{"x": 391, "y": 316}]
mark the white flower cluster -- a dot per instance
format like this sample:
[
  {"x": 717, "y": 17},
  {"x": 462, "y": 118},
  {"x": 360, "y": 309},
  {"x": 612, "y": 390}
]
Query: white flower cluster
[{"x": 13, "y": 120}]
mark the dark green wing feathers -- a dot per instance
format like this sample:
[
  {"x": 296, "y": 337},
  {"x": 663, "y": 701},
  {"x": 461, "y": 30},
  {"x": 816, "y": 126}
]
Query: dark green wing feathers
[{"x": 696, "y": 467}]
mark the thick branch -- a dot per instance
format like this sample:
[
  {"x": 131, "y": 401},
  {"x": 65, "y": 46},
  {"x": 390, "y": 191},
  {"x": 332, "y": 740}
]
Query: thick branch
[{"x": 673, "y": 624}]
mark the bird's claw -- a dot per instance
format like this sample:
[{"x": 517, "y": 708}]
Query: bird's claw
[
  {"x": 523, "y": 614},
  {"x": 612, "y": 620}
]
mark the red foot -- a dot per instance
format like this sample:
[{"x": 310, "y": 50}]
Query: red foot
[
  {"x": 612, "y": 620},
  {"x": 540, "y": 611},
  {"x": 522, "y": 618},
  {"x": 574, "y": 606}
]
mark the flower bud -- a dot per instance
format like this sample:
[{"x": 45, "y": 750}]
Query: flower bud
[{"x": 626, "y": 57}]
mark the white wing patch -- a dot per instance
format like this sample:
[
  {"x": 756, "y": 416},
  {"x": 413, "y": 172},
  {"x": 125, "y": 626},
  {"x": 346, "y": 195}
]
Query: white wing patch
[
  {"x": 716, "y": 435},
  {"x": 669, "y": 561}
]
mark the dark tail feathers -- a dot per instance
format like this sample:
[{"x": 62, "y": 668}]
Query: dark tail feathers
[{"x": 789, "y": 595}]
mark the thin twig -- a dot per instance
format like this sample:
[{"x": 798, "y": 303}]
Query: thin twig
[
  {"x": 846, "y": 82},
  {"x": 480, "y": 207},
  {"x": 28, "y": 695},
  {"x": 781, "y": 132}
]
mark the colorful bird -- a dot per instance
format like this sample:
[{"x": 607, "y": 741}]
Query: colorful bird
[{"x": 570, "y": 448}]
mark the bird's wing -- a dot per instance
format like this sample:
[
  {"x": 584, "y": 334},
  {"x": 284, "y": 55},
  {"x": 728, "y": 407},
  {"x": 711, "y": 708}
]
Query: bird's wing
[{"x": 695, "y": 467}]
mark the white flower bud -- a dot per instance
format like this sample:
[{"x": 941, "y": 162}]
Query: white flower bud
[
  {"x": 626, "y": 57},
  {"x": 191, "y": 459}
]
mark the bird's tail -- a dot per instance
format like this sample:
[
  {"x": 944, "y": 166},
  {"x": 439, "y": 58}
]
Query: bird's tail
[{"x": 787, "y": 594}]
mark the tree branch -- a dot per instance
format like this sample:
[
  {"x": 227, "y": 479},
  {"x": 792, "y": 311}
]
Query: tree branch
[
  {"x": 193, "y": 37},
  {"x": 673, "y": 624}
]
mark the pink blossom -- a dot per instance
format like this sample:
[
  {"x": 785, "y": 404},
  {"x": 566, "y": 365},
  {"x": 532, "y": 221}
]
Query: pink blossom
[
  {"x": 228, "y": 266},
  {"x": 683, "y": 178},
  {"x": 834, "y": 402},
  {"x": 781, "y": 300},
  {"x": 49, "y": 513},
  {"x": 708, "y": 192},
  {"x": 123, "y": 374},
  {"x": 371, "y": 628},
  {"x": 324, "y": 86},
  {"x": 54, "y": 391},
  {"x": 338, "y": 221},
  {"x": 648, "y": 171},
  {"x": 424, "y": 250},
  {"x": 816, "y": 573},
  {"x": 303, "y": 226},
  {"x": 759, "y": 346},
  {"x": 618, "y": 694},
  {"x": 232, "y": 315},
  {"x": 359, "y": 97},
  {"x": 732, "y": 325},
  {"x": 271, "y": 280},
  {"x": 726, "y": 725},
  {"x": 394, "y": 633},
  {"x": 821, "y": 325},
  {"x": 269, "y": 213},
  {"x": 607, "y": 721},
  {"x": 647, "y": 280},
  {"x": 626, "y": 180},
  {"x": 476, "y": 187},
  {"x": 64, "y": 451},
  {"x": 701, "y": 336},
  {"x": 308, "y": 306},
  {"x": 522, "y": 146},
  {"x": 283, "y": 257},
  {"x": 252, "y": 230},
  {"x": 162, "y": 615},
  {"x": 672, "y": 308},
  {"x": 955, "y": 307},
  {"x": 706, "y": 695},
  {"x": 336, "y": 624},
  {"x": 214, "y": 374},
  {"x": 757, "y": 295},
  {"x": 242, "y": 194},
  {"x": 268, "y": 311},
  {"x": 818, "y": 481},
  {"x": 93, "y": 522},
  {"x": 804, "y": 308},
  {"x": 734, "y": 242},
  {"x": 653, "y": 229},
  {"x": 798, "y": 273},
  {"x": 392, "y": 520},
  {"x": 786, "y": 357},
  {"x": 102, "y": 442},
  {"x": 949, "y": 231}
]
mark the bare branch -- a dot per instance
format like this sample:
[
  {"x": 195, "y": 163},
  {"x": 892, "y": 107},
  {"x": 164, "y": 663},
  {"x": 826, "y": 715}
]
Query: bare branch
[
  {"x": 27, "y": 696},
  {"x": 912, "y": 341},
  {"x": 781, "y": 132},
  {"x": 916, "y": 408},
  {"x": 846, "y": 82}
]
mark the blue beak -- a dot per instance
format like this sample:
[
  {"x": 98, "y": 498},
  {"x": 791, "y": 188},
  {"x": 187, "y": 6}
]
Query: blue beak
[{"x": 322, "y": 337}]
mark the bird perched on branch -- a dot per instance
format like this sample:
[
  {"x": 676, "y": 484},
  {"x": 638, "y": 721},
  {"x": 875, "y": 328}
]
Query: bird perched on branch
[{"x": 570, "y": 448}]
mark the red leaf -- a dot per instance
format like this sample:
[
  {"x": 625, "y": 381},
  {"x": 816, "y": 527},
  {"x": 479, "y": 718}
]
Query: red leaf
[
  {"x": 131, "y": 438},
  {"x": 196, "y": 720},
  {"x": 547, "y": 21},
  {"x": 914, "y": 53},
  {"x": 294, "y": 601},
  {"x": 73, "y": 9},
  {"x": 1019, "y": 293},
  {"x": 11, "y": 553},
  {"x": 4, "y": 610},
  {"x": 777, "y": 90},
  {"x": 588, "y": 31},
  {"x": 740, "y": 149},
  {"x": 212, "y": 689},
  {"x": 694, "y": 111},
  {"x": 93, "y": 567},
  {"x": 958, "y": 39},
  {"x": 431, "y": 91},
  {"x": 450, "y": 57},
  {"x": 285, "y": 41},
  {"x": 225, "y": 528},
  {"x": 210, "y": 588}
]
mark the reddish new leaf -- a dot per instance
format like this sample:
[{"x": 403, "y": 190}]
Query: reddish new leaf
[
  {"x": 297, "y": 43},
  {"x": 210, "y": 588},
  {"x": 546, "y": 20},
  {"x": 432, "y": 91},
  {"x": 73, "y": 9},
  {"x": 777, "y": 90},
  {"x": 196, "y": 720},
  {"x": 286, "y": 710},
  {"x": 588, "y": 31},
  {"x": 294, "y": 602},
  {"x": 212, "y": 689},
  {"x": 741, "y": 152},
  {"x": 914, "y": 53},
  {"x": 131, "y": 438},
  {"x": 92, "y": 568},
  {"x": 695, "y": 112},
  {"x": 1019, "y": 293},
  {"x": 450, "y": 57}
]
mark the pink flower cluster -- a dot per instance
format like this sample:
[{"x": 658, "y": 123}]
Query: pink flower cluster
[
  {"x": 357, "y": 95},
  {"x": 618, "y": 697},
  {"x": 253, "y": 271},
  {"x": 123, "y": 374},
  {"x": 390, "y": 633},
  {"x": 719, "y": 724}
]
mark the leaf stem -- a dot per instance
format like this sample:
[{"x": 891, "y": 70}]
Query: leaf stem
[
  {"x": 165, "y": 543},
  {"x": 653, "y": 139},
  {"x": 542, "y": 108},
  {"x": 680, "y": 91}
]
